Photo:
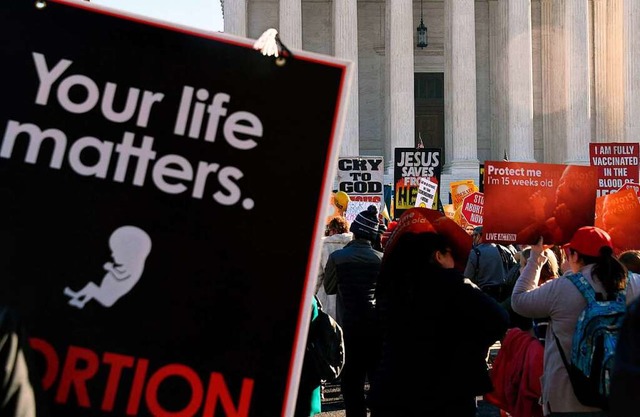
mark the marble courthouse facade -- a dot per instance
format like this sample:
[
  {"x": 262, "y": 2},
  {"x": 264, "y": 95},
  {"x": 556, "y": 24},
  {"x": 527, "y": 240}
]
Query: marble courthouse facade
[{"x": 535, "y": 79}]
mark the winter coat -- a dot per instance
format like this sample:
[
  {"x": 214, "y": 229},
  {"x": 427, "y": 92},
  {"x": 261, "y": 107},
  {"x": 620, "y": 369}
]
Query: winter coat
[
  {"x": 485, "y": 270},
  {"x": 330, "y": 244},
  {"x": 560, "y": 300},
  {"x": 439, "y": 326},
  {"x": 352, "y": 272},
  {"x": 516, "y": 375},
  {"x": 625, "y": 381}
]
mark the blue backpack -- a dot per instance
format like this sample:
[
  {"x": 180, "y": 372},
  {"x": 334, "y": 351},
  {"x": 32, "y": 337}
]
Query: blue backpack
[{"x": 594, "y": 345}]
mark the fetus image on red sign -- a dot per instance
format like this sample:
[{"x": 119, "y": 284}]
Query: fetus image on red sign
[{"x": 130, "y": 247}]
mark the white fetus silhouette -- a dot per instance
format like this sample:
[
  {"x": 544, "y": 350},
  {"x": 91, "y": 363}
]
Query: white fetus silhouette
[{"x": 130, "y": 247}]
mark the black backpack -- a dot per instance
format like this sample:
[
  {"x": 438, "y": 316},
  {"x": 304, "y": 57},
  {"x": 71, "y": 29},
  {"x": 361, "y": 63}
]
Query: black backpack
[
  {"x": 325, "y": 346},
  {"x": 508, "y": 258}
]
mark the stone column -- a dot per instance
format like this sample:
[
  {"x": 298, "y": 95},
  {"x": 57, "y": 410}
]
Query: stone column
[
  {"x": 615, "y": 72},
  {"x": 461, "y": 136},
  {"x": 578, "y": 82},
  {"x": 498, "y": 74},
  {"x": 631, "y": 55},
  {"x": 553, "y": 87},
  {"x": 345, "y": 23},
  {"x": 600, "y": 68},
  {"x": 608, "y": 70},
  {"x": 235, "y": 17},
  {"x": 399, "y": 55},
  {"x": 520, "y": 82},
  {"x": 290, "y": 31}
]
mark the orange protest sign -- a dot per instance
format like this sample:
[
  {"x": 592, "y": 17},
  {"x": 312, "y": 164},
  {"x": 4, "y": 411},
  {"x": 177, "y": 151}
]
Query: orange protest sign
[
  {"x": 461, "y": 189},
  {"x": 619, "y": 214},
  {"x": 448, "y": 210},
  {"x": 631, "y": 186}
]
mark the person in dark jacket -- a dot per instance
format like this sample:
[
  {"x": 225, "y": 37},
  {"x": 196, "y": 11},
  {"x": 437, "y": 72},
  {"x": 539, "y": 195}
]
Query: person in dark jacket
[
  {"x": 352, "y": 272},
  {"x": 436, "y": 325},
  {"x": 625, "y": 380},
  {"x": 485, "y": 266}
]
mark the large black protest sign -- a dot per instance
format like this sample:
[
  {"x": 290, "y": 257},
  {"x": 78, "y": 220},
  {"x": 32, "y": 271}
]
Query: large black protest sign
[
  {"x": 142, "y": 169},
  {"x": 409, "y": 166}
]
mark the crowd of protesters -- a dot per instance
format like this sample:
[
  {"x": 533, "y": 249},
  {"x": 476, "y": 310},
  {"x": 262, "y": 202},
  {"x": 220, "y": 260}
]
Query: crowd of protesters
[
  {"x": 427, "y": 287},
  {"x": 412, "y": 303}
]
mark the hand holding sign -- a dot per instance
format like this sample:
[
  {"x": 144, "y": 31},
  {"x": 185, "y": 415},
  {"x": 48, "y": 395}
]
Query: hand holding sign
[{"x": 537, "y": 252}]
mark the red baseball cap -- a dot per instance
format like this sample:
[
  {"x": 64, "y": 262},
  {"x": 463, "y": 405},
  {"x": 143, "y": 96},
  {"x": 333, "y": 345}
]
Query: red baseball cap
[{"x": 588, "y": 240}]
